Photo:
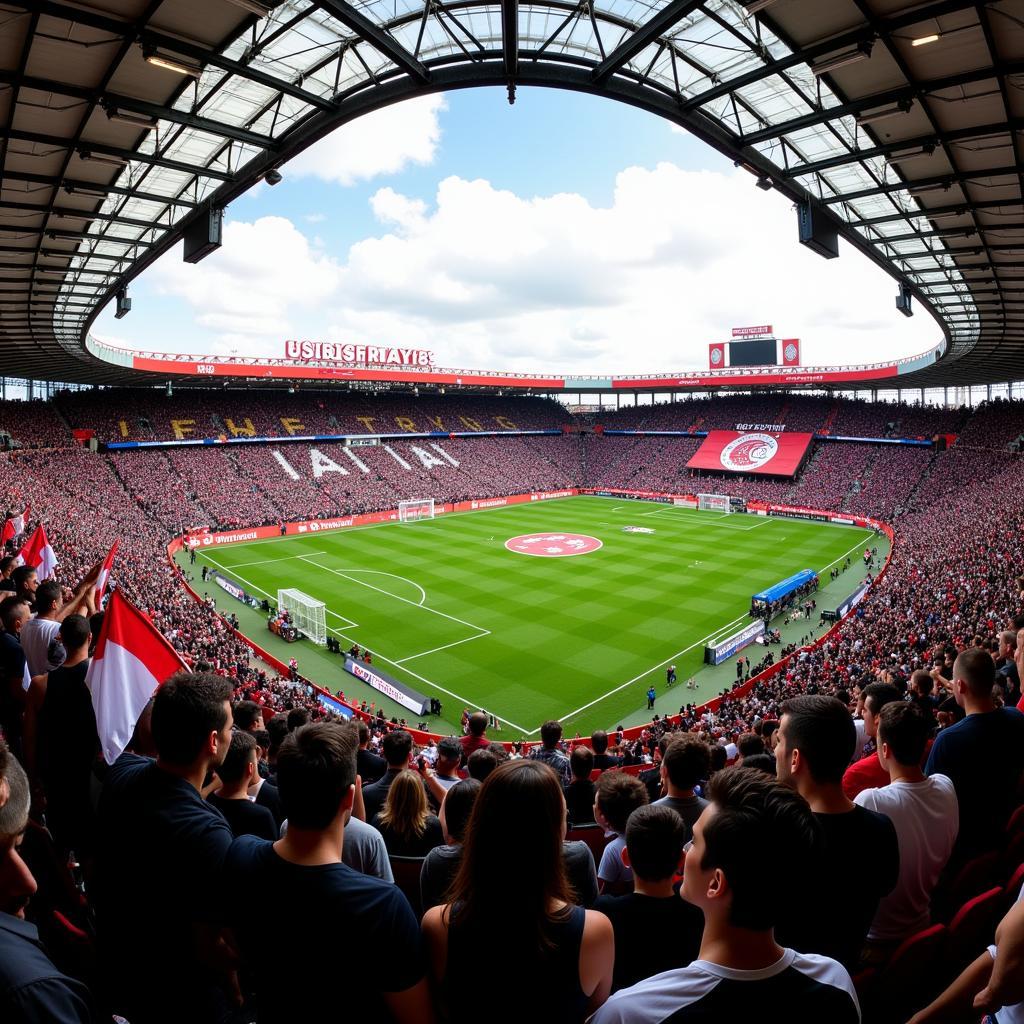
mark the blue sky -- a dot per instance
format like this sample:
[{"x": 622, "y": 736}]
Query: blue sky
[{"x": 562, "y": 233}]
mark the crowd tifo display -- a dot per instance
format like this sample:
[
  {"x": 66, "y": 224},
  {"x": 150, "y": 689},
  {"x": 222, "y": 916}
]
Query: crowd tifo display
[{"x": 944, "y": 615}]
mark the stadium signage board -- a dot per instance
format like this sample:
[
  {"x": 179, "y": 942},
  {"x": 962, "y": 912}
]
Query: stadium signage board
[
  {"x": 774, "y": 428},
  {"x": 752, "y": 332},
  {"x": 756, "y": 452},
  {"x": 398, "y": 692},
  {"x": 715, "y": 654},
  {"x": 359, "y": 355}
]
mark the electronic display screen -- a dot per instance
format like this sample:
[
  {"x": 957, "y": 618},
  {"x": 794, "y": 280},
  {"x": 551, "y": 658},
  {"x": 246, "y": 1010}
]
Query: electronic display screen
[{"x": 752, "y": 353}]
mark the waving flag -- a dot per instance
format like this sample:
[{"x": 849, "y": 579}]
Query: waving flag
[
  {"x": 18, "y": 522},
  {"x": 132, "y": 660},
  {"x": 36, "y": 552},
  {"x": 8, "y": 532},
  {"x": 101, "y": 582}
]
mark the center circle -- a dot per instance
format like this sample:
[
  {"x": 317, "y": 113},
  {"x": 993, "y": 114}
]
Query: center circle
[{"x": 553, "y": 545}]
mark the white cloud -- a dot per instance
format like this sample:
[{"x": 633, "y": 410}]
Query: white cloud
[
  {"x": 315, "y": 218},
  {"x": 489, "y": 279},
  {"x": 382, "y": 142}
]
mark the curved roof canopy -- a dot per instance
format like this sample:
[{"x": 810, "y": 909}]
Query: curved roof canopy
[{"x": 122, "y": 122}]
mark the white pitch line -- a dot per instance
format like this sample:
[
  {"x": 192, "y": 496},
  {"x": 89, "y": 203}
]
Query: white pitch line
[
  {"x": 283, "y": 558},
  {"x": 380, "y": 572},
  {"x": 380, "y": 657},
  {"x": 404, "y": 600},
  {"x": 443, "y": 647}
]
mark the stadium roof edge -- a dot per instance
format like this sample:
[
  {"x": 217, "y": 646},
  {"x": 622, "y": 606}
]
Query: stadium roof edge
[{"x": 120, "y": 129}]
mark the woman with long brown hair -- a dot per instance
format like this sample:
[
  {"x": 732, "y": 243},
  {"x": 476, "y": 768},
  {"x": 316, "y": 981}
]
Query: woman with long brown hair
[
  {"x": 511, "y": 924},
  {"x": 405, "y": 821}
]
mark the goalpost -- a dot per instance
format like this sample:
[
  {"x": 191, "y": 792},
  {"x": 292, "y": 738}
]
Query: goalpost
[
  {"x": 309, "y": 616},
  {"x": 415, "y": 508},
  {"x": 714, "y": 502}
]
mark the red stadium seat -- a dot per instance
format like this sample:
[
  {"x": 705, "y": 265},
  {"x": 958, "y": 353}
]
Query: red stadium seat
[
  {"x": 1014, "y": 852},
  {"x": 909, "y": 980},
  {"x": 1016, "y": 823},
  {"x": 975, "y": 877},
  {"x": 1012, "y": 888},
  {"x": 407, "y": 877},
  {"x": 592, "y": 835},
  {"x": 973, "y": 927}
]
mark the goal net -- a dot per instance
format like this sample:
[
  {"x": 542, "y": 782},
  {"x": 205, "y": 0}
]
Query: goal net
[
  {"x": 415, "y": 508},
  {"x": 714, "y": 502},
  {"x": 308, "y": 615}
]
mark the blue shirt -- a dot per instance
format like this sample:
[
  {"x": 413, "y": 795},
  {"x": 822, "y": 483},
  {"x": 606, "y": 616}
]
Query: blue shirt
[
  {"x": 160, "y": 851},
  {"x": 984, "y": 756},
  {"x": 357, "y": 927},
  {"x": 31, "y": 988}
]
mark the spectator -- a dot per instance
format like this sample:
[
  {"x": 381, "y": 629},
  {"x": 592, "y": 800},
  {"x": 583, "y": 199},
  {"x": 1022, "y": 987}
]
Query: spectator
[
  {"x": 983, "y": 755},
  {"x": 31, "y": 988},
  {"x": 441, "y": 863},
  {"x": 751, "y": 849},
  {"x": 924, "y": 814},
  {"x": 686, "y": 762},
  {"x": 548, "y": 752},
  {"x": 868, "y": 772},
  {"x": 579, "y": 794},
  {"x": 236, "y": 773},
  {"x": 340, "y": 913},
  {"x": 38, "y": 633},
  {"x": 921, "y": 688},
  {"x": 816, "y": 740},
  {"x": 14, "y": 613},
  {"x": 481, "y": 763},
  {"x": 446, "y": 767},
  {"x": 511, "y": 923},
  {"x": 247, "y": 715},
  {"x": 762, "y": 762},
  {"x": 618, "y": 796},
  {"x": 6, "y": 568},
  {"x": 599, "y": 744},
  {"x": 62, "y": 744},
  {"x": 369, "y": 765},
  {"x": 476, "y": 735},
  {"x": 405, "y": 821},
  {"x": 396, "y": 746},
  {"x": 159, "y": 841},
  {"x": 671, "y": 927}
]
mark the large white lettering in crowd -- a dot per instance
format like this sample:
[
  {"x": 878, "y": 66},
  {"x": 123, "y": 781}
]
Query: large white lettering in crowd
[
  {"x": 373, "y": 355},
  {"x": 321, "y": 464}
]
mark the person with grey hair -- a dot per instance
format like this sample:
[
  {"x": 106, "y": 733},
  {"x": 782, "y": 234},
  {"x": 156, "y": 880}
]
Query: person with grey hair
[{"x": 31, "y": 987}]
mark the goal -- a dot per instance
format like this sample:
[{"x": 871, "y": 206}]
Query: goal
[
  {"x": 415, "y": 508},
  {"x": 308, "y": 615},
  {"x": 714, "y": 502}
]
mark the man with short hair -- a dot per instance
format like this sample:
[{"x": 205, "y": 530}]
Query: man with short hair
[
  {"x": 599, "y": 744},
  {"x": 750, "y": 853},
  {"x": 923, "y": 811},
  {"x": 481, "y": 763},
  {"x": 31, "y": 988},
  {"x": 340, "y": 913},
  {"x": 14, "y": 613},
  {"x": 983, "y": 754},
  {"x": 38, "y": 633},
  {"x": 618, "y": 796},
  {"x": 160, "y": 851},
  {"x": 476, "y": 735},
  {"x": 236, "y": 772},
  {"x": 6, "y": 568},
  {"x": 369, "y": 765},
  {"x": 1007, "y": 676},
  {"x": 686, "y": 761},
  {"x": 579, "y": 794},
  {"x": 548, "y": 752},
  {"x": 868, "y": 773},
  {"x": 25, "y": 583},
  {"x": 396, "y": 747},
  {"x": 446, "y": 767},
  {"x": 671, "y": 927},
  {"x": 816, "y": 740},
  {"x": 247, "y": 715}
]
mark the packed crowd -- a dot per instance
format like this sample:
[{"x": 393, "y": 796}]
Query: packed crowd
[{"x": 287, "y": 832}]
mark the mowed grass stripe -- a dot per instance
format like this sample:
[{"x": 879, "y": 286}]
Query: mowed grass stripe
[{"x": 563, "y": 631}]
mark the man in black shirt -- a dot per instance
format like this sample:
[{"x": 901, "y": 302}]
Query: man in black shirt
[
  {"x": 14, "y": 613},
  {"x": 750, "y": 849},
  {"x": 397, "y": 746},
  {"x": 160, "y": 851},
  {"x": 236, "y": 772},
  {"x": 654, "y": 929},
  {"x": 342, "y": 914},
  {"x": 599, "y": 744},
  {"x": 369, "y": 766},
  {"x": 61, "y": 742},
  {"x": 817, "y": 738}
]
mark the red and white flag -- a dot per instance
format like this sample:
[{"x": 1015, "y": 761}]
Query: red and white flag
[
  {"x": 132, "y": 660},
  {"x": 104, "y": 576},
  {"x": 18, "y": 522},
  {"x": 8, "y": 532},
  {"x": 36, "y": 552}
]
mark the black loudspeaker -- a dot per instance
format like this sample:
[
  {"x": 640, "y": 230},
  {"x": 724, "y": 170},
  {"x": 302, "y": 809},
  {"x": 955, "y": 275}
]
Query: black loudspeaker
[
  {"x": 817, "y": 230},
  {"x": 203, "y": 235}
]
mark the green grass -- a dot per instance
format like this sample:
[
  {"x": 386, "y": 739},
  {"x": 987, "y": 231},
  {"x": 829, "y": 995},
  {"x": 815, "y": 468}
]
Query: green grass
[{"x": 443, "y": 604}]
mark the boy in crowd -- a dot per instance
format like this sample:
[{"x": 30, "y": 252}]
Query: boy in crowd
[{"x": 618, "y": 796}]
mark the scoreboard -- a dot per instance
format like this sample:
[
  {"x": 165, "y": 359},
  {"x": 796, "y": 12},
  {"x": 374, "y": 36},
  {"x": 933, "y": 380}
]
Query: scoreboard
[
  {"x": 753, "y": 353},
  {"x": 754, "y": 346}
]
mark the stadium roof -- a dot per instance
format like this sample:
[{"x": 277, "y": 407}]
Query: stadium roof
[{"x": 122, "y": 122}]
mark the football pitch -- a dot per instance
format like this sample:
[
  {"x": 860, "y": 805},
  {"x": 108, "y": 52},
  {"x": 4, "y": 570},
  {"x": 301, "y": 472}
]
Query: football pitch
[{"x": 574, "y": 624}]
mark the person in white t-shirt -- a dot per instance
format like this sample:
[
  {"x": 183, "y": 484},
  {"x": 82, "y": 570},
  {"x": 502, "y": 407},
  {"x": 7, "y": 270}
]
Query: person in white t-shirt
[
  {"x": 925, "y": 814},
  {"x": 993, "y": 984}
]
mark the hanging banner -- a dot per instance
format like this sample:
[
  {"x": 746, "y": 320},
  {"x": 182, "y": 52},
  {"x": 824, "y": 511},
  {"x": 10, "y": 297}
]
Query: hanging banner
[
  {"x": 768, "y": 454},
  {"x": 790, "y": 351},
  {"x": 716, "y": 356}
]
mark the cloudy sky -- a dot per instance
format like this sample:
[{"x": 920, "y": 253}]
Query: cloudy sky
[{"x": 566, "y": 233}]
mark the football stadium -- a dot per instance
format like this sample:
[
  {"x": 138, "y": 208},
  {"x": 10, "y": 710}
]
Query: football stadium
[{"x": 436, "y": 577}]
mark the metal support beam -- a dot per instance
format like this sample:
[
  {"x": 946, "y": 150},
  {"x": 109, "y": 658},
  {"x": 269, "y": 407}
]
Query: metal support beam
[
  {"x": 510, "y": 43},
  {"x": 376, "y": 37},
  {"x": 654, "y": 28}
]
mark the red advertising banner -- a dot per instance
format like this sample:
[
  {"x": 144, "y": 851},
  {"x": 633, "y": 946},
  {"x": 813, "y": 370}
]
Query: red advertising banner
[
  {"x": 790, "y": 351},
  {"x": 732, "y": 451},
  {"x": 751, "y": 332},
  {"x": 716, "y": 356}
]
